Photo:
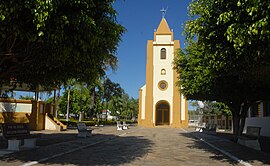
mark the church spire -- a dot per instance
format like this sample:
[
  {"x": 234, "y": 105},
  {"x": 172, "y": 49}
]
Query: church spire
[
  {"x": 163, "y": 27},
  {"x": 163, "y": 11}
]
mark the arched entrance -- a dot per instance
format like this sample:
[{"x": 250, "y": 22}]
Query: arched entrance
[{"x": 162, "y": 113}]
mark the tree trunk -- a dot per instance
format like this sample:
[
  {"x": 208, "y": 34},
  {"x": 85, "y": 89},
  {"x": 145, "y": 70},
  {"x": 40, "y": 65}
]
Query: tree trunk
[
  {"x": 67, "y": 117},
  {"x": 81, "y": 116},
  {"x": 236, "y": 119},
  {"x": 92, "y": 102},
  {"x": 239, "y": 113},
  {"x": 54, "y": 102},
  {"x": 243, "y": 116},
  {"x": 235, "y": 108}
]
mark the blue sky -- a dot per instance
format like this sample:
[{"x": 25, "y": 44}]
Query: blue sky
[{"x": 140, "y": 18}]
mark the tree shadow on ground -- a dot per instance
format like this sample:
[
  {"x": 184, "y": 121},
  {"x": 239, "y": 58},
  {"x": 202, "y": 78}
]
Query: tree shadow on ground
[
  {"x": 244, "y": 153},
  {"x": 111, "y": 150},
  {"x": 198, "y": 144},
  {"x": 44, "y": 139}
]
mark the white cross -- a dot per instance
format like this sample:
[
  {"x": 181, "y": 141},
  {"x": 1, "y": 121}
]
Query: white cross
[{"x": 163, "y": 11}]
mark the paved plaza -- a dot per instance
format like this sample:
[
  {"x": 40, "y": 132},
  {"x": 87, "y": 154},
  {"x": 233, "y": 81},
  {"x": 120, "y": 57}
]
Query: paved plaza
[{"x": 136, "y": 146}]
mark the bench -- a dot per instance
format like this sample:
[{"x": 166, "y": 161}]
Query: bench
[
  {"x": 250, "y": 138},
  {"x": 119, "y": 126},
  {"x": 83, "y": 132},
  {"x": 15, "y": 133},
  {"x": 125, "y": 125},
  {"x": 211, "y": 127},
  {"x": 201, "y": 127}
]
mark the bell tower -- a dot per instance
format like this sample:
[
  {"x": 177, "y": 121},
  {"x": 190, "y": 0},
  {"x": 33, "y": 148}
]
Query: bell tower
[{"x": 160, "y": 102}]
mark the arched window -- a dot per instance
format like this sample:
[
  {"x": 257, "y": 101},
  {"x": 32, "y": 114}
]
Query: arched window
[
  {"x": 163, "y": 53},
  {"x": 163, "y": 72}
]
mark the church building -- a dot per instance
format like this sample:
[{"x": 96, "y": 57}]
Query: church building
[{"x": 160, "y": 101}]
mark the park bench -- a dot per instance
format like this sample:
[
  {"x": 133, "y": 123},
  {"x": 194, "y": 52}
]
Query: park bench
[
  {"x": 211, "y": 127},
  {"x": 201, "y": 127},
  {"x": 125, "y": 125},
  {"x": 250, "y": 138},
  {"x": 16, "y": 133},
  {"x": 83, "y": 131},
  {"x": 119, "y": 126}
]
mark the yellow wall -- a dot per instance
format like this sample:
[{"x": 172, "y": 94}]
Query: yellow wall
[
  {"x": 36, "y": 118},
  {"x": 148, "y": 122},
  {"x": 15, "y": 117}
]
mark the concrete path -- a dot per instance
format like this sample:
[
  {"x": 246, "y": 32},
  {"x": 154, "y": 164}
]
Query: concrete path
[{"x": 140, "y": 146}]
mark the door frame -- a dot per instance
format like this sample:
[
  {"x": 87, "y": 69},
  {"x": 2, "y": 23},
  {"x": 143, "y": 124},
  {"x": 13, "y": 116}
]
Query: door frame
[{"x": 156, "y": 110}]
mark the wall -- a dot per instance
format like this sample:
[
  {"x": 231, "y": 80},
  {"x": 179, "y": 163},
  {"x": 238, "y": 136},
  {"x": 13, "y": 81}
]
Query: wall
[
  {"x": 25, "y": 111},
  {"x": 143, "y": 102},
  {"x": 220, "y": 121},
  {"x": 49, "y": 124},
  {"x": 263, "y": 122},
  {"x": 17, "y": 111},
  {"x": 163, "y": 41}
]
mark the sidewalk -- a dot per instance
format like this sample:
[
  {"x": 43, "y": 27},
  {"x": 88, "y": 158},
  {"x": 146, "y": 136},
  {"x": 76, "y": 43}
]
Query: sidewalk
[
  {"x": 53, "y": 144},
  {"x": 49, "y": 137},
  {"x": 136, "y": 146},
  {"x": 244, "y": 154}
]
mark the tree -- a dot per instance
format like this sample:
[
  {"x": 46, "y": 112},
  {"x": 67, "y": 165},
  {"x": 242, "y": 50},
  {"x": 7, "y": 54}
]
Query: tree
[
  {"x": 92, "y": 98},
  {"x": 79, "y": 100},
  {"x": 194, "y": 105},
  {"x": 215, "y": 108},
  {"x": 134, "y": 107},
  {"x": 67, "y": 86},
  {"x": 49, "y": 42},
  {"x": 226, "y": 58},
  {"x": 27, "y": 97},
  {"x": 115, "y": 105},
  {"x": 96, "y": 92},
  {"x": 111, "y": 90}
]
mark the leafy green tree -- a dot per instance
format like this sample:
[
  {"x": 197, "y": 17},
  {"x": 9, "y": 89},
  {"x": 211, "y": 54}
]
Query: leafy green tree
[
  {"x": 27, "y": 97},
  {"x": 134, "y": 107},
  {"x": 126, "y": 111},
  {"x": 226, "y": 58},
  {"x": 79, "y": 100},
  {"x": 90, "y": 98},
  {"x": 124, "y": 106},
  {"x": 116, "y": 106},
  {"x": 111, "y": 90},
  {"x": 49, "y": 42},
  {"x": 96, "y": 93},
  {"x": 67, "y": 86},
  {"x": 215, "y": 108},
  {"x": 194, "y": 105},
  {"x": 49, "y": 100}
]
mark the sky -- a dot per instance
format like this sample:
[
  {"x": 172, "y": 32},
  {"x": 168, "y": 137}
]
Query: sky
[{"x": 141, "y": 18}]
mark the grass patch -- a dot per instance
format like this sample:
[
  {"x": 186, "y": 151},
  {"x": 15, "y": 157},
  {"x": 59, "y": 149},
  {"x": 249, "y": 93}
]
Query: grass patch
[{"x": 73, "y": 122}]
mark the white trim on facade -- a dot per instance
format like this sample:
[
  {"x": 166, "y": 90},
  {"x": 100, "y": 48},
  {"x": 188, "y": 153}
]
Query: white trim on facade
[
  {"x": 183, "y": 108},
  {"x": 143, "y": 102},
  {"x": 166, "y": 64}
]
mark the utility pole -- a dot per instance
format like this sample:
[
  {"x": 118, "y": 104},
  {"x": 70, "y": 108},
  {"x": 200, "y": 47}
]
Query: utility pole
[
  {"x": 81, "y": 112},
  {"x": 67, "y": 117}
]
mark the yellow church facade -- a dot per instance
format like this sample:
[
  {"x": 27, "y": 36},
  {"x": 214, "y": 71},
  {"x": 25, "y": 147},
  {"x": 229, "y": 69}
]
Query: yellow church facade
[{"x": 160, "y": 102}]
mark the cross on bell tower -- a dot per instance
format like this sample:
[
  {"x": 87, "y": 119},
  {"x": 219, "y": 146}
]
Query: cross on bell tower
[{"x": 163, "y": 11}]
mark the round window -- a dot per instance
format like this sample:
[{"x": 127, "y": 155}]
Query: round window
[{"x": 163, "y": 85}]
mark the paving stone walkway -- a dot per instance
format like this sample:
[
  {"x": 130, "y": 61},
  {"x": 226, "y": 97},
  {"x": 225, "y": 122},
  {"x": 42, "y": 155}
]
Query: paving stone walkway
[{"x": 137, "y": 146}]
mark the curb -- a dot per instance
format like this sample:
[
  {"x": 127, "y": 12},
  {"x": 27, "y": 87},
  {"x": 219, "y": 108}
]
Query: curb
[{"x": 221, "y": 150}]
